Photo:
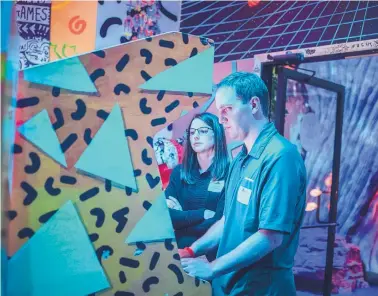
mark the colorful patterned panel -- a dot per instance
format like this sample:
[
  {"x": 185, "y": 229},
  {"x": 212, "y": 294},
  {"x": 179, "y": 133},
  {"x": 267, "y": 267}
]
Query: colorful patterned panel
[{"x": 109, "y": 211}]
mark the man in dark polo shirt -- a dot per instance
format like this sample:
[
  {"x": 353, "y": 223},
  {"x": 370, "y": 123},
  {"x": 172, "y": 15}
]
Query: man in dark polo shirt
[{"x": 257, "y": 237}]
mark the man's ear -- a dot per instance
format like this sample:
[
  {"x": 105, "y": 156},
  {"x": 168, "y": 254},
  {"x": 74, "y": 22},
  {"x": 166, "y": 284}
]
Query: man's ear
[{"x": 255, "y": 104}]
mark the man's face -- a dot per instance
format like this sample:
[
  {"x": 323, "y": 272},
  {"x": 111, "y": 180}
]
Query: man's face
[{"x": 235, "y": 116}]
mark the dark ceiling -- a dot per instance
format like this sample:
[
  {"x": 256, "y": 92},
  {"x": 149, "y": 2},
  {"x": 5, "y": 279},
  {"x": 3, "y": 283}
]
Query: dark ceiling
[{"x": 240, "y": 31}]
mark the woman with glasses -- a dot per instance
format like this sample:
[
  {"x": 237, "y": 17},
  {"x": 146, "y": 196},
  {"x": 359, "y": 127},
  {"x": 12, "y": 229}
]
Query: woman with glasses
[{"x": 195, "y": 194}]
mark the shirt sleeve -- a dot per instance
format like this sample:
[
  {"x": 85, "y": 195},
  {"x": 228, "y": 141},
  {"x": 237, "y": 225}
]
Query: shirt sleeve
[
  {"x": 202, "y": 228},
  {"x": 181, "y": 219},
  {"x": 280, "y": 194}
]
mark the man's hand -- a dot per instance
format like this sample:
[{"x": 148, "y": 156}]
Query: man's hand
[
  {"x": 173, "y": 203},
  {"x": 198, "y": 267}
]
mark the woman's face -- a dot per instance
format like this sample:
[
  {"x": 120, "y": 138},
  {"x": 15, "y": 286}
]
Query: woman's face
[{"x": 201, "y": 136}]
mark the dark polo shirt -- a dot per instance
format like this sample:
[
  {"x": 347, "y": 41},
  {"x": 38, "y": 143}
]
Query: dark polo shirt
[{"x": 265, "y": 190}]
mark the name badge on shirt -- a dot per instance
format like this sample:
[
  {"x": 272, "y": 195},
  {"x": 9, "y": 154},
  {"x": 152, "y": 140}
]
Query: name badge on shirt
[
  {"x": 216, "y": 186},
  {"x": 244, "y": 195}
]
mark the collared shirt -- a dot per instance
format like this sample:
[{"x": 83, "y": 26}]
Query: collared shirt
[{"x": 265, "y": 190}]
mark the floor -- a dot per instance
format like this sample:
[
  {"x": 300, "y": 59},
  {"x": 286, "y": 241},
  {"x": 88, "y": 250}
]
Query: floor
[{"x": 372, "y": 291}]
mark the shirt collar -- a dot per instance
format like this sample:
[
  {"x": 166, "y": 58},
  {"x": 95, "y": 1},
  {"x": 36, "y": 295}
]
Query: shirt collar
[{"x": 263, "y": 139}]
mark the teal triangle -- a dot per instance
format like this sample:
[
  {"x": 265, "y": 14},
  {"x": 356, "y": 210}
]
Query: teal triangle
[
  {"x": 39, "y": 131},
  {"x": 58, "y": 260},
  {"x": 155, "y": 225},
  {"x": 192, "y": 75},
  {"x": 68, "y": 74},
  {"x": 108, "y": 154}
]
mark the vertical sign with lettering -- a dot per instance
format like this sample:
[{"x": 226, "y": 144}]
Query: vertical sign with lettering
[{"x": 33, "y": 22}]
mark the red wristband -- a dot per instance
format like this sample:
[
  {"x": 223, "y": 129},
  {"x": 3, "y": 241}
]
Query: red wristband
[{"x": 190, "y": 251}]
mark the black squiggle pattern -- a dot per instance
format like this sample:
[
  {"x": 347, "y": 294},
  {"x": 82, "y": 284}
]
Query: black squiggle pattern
[
  {"x": 123, "y": 39},
  {"x": 108, "y": 185},
  {"x": 45, "y": 217},
  {"x": 167, "y": 13},
  {"x": 119, "y": 216},
  {"x": 147, "y": 55},
  {"x": 145, "y": 75},
  {"x": 100, "y": 53},
  {"x": 190, "y": 94},
  {"x": 149, "y": 39},
  {"x": 27, "y": 102},
  {"x": 49, "y": 187},
  {"x": 204, "y": 41},
  {"x": 137, "y": 173},
  {"x": 152, "y": 182},
  {"x": 122, "y": 63},
  {"x": 170, "y": 127},
  {"x": 195, "y": 104},
  {"x": 87, "y": 136},
  {"x": 128, "y": 191},
  {"x": 194, "y": 52},
  {"x": 196, "y": 282},
  {"x": 89, "y": 193},
  {"x": 121, "y": 87},
  {"x": 170, "y": 62},
  {"x": 109, "y": 22},
  {"x": 97, "y": 74},
  {"x": 150, "y": 141},
  {"x": 31, "y": 193},
  {"x": 160, "y": 95},
  {"x": 101, "y": 250},
  {"x": 185, "y": 38},
  {"x": 68, "y": 142},
  {"x": 177, "y": 272},
  {"x": 81, "y": 110},
  {"x": 158, "y": 121},
  {"x": 147, "y": 160},
  {"x": 55, "y": 91},
  {"x": 25, "y": 233},
  {"x": 147, "y": 205},
  {"x": 179, "y": 294},
  {"x": 100, "y": 216},
  {"x": 172, "y": 106},
  {"x": 59, "y": 119},
  {"x": 102, "y": 114},
  {"x": 166, "y": 44},
  {"x": 122, "y": 277},
  {"x": 143, "y": 106},
  {"x": 11, "y": 214},
  {"x": 68, "y": 180},
  {"x": 153, "y": 280},
  {"x": 154, "y": 260},
  {"x": 16, "y": 149},
  {"x": 168, "y": 244},
  {"x": 94, "y": 237},
  {"x": 35, "y": 163},
  {"x": 128, "y": 262},
  {"x": 140, "y": 245},
  {"x": 124, "y": 293},
  {"x": 132, "y": 133},
  {"x": 176, "y": 257}
]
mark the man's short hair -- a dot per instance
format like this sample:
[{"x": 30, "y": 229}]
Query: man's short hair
[{"x": 246, "y": 86}]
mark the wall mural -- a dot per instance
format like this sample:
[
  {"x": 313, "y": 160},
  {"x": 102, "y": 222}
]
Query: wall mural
[
  {"x": 52, "y": 29},
  {"x": 73, "y": 176}
]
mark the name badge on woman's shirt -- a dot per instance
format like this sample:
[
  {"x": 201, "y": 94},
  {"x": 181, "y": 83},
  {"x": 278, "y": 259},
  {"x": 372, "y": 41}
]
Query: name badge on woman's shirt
[{"x": 216, "y": 186}]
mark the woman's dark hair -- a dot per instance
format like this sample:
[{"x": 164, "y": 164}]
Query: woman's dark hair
[{"x": 218, "y": 168}]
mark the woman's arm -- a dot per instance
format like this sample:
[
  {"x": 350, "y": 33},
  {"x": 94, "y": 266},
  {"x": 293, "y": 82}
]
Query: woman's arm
[
  {"x": 200, "y": 229},
  {"x": 181, "y": 219}
]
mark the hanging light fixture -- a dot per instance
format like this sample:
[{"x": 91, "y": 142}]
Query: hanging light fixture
[{"x": 253, "y": 3}]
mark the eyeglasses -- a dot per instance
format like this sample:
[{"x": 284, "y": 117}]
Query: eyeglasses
[{"x": 202, "y": 131}]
